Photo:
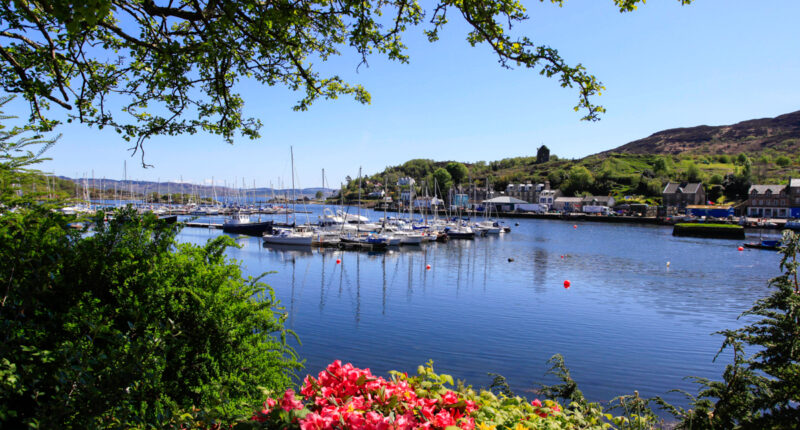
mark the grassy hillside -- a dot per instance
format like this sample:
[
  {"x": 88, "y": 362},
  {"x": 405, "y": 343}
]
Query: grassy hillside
[{"x": 639, "y": 176}]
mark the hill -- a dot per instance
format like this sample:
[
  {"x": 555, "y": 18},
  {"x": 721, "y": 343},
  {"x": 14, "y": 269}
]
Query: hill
[{"x": 780, "y": 135}]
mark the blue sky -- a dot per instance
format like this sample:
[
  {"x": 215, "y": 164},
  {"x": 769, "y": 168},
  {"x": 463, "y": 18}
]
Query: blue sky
[{"x": 664, "y": 66}]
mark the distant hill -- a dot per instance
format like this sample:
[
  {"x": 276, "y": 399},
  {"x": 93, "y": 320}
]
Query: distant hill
[{"x": 781, "y": 134}]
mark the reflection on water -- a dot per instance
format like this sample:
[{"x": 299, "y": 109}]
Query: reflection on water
[{"x": 628, "y": 322}]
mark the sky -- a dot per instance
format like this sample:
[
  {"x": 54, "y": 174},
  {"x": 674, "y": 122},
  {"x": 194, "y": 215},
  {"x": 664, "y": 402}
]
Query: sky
[{"x": 664, "y": 66}]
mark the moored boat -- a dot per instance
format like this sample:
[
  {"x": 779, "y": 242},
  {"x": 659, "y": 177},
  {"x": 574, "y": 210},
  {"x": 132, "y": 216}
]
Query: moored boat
[{"x": 240, "y": 223}]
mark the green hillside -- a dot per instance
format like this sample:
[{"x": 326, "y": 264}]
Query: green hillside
[{"x": 641, "y": 177}]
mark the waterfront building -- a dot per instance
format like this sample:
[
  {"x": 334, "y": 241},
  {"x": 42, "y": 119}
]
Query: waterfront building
[
  {"x": 599, "y": 201},
  {"x": 504, "y": 203},
  {"x": 771, "y": 201},
  {"x": 680, "y": 195},
  {"x": 568, "y": 204}
]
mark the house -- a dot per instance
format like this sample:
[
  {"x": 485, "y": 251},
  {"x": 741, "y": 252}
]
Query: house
[
  {"x": 503, "y": 203},
  {"x": 567, "y": 204},
  {"x": 547, "y": 197},
  {"x": 377, "y": 194},
  {"x": 406, "y": 181},
  {"x": 607, "y": 201},
  {"x": 682, "y": 194},
  {"x": 769, "y": 201},
  {"x": 794, "y": 195}
]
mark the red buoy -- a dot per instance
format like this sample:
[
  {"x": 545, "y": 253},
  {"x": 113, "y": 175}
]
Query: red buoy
[
  {"x": 338, "y": 261},
  {"x": 567, "y": 283},
  {"x": 741, "y": 248},
  {"x": 562, "y": 256},
  {"x": 428, "y": 267},
  {"x": 575, "y": 226}
]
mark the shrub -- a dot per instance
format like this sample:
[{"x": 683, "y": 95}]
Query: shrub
[
  {"x": 125, "y": 327},
  {"x": 783, "y": 161}
]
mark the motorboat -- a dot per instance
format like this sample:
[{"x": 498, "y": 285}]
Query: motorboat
[
  {"x": 240, "y": 223},
  {"x": 287, "y": 236}
]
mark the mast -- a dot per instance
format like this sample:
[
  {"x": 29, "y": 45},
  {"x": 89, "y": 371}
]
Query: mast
[
  {"x": 359, "y": 200},
  {"x": 294, "y": 219}
]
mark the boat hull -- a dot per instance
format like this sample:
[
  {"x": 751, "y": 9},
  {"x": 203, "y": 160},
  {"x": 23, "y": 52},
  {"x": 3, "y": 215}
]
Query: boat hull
[{"x": 250, "y": 229}]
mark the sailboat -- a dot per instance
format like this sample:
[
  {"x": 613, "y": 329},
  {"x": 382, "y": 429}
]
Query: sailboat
[{"x": 290, "y": 236}]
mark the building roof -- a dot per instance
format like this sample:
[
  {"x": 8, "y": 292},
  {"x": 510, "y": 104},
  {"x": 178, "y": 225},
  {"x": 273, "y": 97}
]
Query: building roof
[
  {"x": 794, "y": 183},
  {"x": 569, "y": 199},
  {"x": 504, "y": 200},
  {"x": 598, "y": 199},
  {"x": 682, "y": 187},
  {"x": 762, "y": 189}
]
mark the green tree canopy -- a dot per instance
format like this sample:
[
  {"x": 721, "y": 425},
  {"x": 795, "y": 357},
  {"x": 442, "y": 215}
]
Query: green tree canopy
[
  {"x": 580, "y": 179},
  {"x": 458, "y": 171},
  {"x": 443, "y": 179},
  {"x": 171, "y": 66}
]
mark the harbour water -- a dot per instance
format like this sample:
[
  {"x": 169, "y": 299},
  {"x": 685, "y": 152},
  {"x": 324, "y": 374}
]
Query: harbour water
[{"x": 629, "y": 321}]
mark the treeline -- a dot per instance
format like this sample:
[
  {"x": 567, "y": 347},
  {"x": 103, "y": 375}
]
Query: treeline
[{"x": 639, "y": 177}]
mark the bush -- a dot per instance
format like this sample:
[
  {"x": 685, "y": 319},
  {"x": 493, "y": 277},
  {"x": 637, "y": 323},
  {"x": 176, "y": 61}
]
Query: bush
[
  {"x": 124, "y": 327},
  {"x": 783, "y": 161}
]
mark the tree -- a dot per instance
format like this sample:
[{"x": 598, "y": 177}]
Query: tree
[
  {"x": 783, "y": 161},
  {"x": 173, "y": 65},
  {"x": 660, "y": 166},
  {"x": 458, "y": 171},
  {"x": 692, "y": 173},
  {"x": 580, "y": 179},
  {"x": 123, "y": 327},
  {"x": 443, "y": 179},
  {"x": 318, "y": 195}
]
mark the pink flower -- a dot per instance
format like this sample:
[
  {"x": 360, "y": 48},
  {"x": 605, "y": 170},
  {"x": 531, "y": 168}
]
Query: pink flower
[
  {"x": 556, "y": 408},
  {"x": 470, "y": 406},
  {"x": 450, "y": 398},
  {"x": 313, "y": 421},
  {"x": 468, "y": 424},
  {"x": 537, "y": 403},
  {"x": 288, "y": 402},
  {"x": 444, "y": 419}
]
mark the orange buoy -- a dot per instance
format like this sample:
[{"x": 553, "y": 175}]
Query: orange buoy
[
  {"x": 575, "y": 226},
  {"x": 741, "y": 248},
  {"x": 338, "y": 261},
  {"x": 567, "y": 283},
  {"x": 428, "y": 267}
]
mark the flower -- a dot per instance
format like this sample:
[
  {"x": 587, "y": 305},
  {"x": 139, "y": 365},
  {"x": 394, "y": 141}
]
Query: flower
[
  {"x": 289, "y": 403},
  {"x": 450, "y": 398},
  {"x": 444, "y": 419},
  {"x": 537, "y": 403}
]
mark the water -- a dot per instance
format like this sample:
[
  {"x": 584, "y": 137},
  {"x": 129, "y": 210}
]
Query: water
[{"x": 628, "y": 322}]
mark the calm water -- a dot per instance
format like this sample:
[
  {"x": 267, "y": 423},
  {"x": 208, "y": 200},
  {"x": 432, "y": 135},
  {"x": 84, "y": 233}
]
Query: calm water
[{"x": 628, "y": 322}]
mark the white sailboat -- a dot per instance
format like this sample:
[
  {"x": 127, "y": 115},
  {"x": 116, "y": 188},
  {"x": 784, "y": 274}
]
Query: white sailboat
[{"x": 290, "y": 236}]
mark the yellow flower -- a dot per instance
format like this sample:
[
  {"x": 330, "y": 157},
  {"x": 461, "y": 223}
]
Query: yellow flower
[{"x": 482, "y": 426}]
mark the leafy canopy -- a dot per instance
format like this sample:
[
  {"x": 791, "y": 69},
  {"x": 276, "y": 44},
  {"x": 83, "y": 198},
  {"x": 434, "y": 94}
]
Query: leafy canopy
[{"x": 172, "y": 65}]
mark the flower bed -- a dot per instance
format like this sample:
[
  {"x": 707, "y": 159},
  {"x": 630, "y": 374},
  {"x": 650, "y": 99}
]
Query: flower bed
[{"x": 345, "y": 397}]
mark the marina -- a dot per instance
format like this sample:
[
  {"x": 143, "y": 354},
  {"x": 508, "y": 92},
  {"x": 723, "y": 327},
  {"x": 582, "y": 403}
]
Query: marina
[{"x": 639, "y": 314}]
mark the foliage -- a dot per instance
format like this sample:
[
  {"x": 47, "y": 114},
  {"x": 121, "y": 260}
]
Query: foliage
[
  {"x": 693, "y": 173},
  {"x": 173, "y": 65},
  {"x": 580, "y": 179},
  {"x": 783, "y": 161},
  {"x": 443, "y": 179},
  {"x": 126, "y": 326},
  {"x": 458, "y": 171},
  {"x": 345, "y": 397}
]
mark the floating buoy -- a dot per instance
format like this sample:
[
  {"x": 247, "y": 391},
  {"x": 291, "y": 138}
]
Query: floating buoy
[
  {"x": 567, "y": 283},
  {"x": 516, "y": 224},
  {"x": 338, "y": 261},
  {"x": 562, "y": 257},
  {"x": 428, "y": 267},
  {"x": 575, "y": 226},
  {"x": 510, "y": 260},
  {"x": 741, "y": 248}
]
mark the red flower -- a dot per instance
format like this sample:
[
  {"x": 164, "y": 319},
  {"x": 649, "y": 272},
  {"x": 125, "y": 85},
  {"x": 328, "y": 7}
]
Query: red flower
[
  {"x": 444, "y": 419},
  {"x": 288, "y": 402},
  {"x": 537, "y": 403},
  {"x": 450, "y": 398}
]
